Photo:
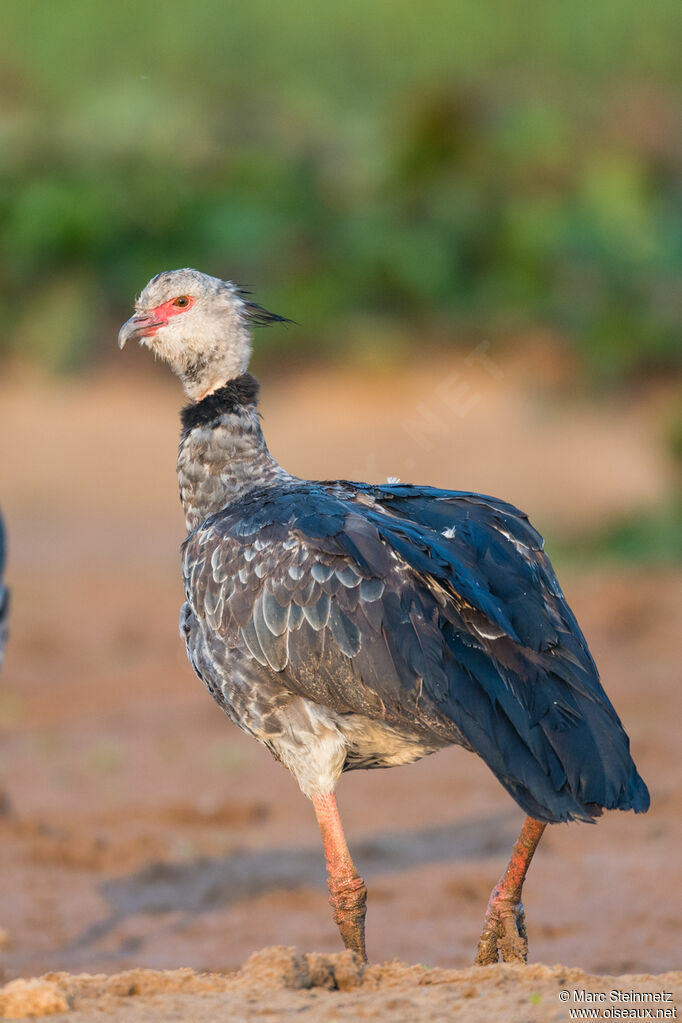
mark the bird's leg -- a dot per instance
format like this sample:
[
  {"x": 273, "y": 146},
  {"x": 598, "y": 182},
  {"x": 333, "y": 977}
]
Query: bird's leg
[
  {"x": 346, "y": 887},
  {"x": 504, "y": 933}
]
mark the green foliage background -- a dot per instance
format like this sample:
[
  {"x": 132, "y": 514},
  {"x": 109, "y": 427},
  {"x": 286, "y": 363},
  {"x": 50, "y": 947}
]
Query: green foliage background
[{"x": 379, "y": 171}]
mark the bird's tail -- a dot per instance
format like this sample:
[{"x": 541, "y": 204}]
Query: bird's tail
[{"x": 572, "y": 770}]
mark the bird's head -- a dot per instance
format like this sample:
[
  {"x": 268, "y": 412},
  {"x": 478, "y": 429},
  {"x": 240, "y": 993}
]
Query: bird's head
[{"x": 201, "y": 326}]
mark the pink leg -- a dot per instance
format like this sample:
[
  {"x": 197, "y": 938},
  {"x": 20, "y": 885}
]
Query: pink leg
[
  {"x": 504, "y": 932},
  {"x": 346, "y": 887}
]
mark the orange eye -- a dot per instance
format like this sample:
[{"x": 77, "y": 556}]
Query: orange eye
[{"x": 181, "y": 302}]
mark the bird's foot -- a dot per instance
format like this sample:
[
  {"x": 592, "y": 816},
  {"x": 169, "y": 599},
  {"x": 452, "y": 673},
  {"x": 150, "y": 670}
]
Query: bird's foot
[
  {"x": 349, "y": 905},
  {"x": 504, "y": 933}
]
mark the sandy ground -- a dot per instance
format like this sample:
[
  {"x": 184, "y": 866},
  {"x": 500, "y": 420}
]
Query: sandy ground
[
  {"x": 142, "y": 830},
  {"x": 281, "y": 984}
]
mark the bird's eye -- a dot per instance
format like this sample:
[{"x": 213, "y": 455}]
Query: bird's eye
[{"x": 181, "y": 302}]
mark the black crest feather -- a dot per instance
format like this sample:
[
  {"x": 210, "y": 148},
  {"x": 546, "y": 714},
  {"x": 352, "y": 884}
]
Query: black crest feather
[{"x": 256, "y": 315}]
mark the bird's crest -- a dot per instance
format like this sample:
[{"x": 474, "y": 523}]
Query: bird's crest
[{"x": 256, "y": 315}]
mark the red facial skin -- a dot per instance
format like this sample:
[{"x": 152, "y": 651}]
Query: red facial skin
[{"x": 161, "y": 315}]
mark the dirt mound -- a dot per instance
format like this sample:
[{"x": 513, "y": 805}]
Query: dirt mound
[{"x": 281, "y": 982}]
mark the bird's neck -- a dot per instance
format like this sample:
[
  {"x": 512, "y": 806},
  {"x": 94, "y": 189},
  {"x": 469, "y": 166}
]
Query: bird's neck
[{"x": 223, "y": 454}]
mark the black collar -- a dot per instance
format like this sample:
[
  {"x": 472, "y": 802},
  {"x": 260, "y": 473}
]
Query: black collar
[{"x": 232, "y": 397}]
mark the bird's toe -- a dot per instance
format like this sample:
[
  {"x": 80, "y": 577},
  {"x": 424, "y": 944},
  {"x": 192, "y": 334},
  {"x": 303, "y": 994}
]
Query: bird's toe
[{"x": 504, "y": 935}]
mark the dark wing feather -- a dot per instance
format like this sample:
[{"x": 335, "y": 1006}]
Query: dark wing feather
[{"x": 434, "y": 611}]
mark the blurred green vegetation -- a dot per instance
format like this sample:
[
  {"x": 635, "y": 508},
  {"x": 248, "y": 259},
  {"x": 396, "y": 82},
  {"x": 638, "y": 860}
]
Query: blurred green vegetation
[
  {"x": 647, "y": 538},
  {"x": 428, "y": 169}
]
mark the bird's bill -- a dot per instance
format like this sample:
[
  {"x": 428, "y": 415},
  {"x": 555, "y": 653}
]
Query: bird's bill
[{"x": 138, "y": 326}]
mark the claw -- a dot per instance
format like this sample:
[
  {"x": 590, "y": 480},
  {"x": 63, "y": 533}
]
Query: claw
[{"x": 504, "y": 933}]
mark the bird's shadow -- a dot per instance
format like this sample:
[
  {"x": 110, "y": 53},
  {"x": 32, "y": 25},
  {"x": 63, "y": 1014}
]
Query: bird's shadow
[{"x": 209, "y": 883}]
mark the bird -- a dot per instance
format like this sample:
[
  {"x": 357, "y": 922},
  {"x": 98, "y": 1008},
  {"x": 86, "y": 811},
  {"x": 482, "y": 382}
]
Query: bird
[
  {"x": 4, "y": 596},
  {"x": 348, "y": 625}
]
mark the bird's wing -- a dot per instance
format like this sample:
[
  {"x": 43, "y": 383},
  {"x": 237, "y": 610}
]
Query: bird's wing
[
  {"x": 303, "y": 581},
  {"x": 495, "y": 556},
  {"x": 368, "y": 607}
]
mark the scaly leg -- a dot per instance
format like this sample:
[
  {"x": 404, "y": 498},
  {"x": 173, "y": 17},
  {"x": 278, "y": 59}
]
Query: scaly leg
[
  {"x": 504, "y": 933},
  {"x": 346, "y": 887}
]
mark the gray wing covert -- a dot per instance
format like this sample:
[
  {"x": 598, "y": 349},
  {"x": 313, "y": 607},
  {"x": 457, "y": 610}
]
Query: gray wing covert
[{"x": 319, "y": 601}]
